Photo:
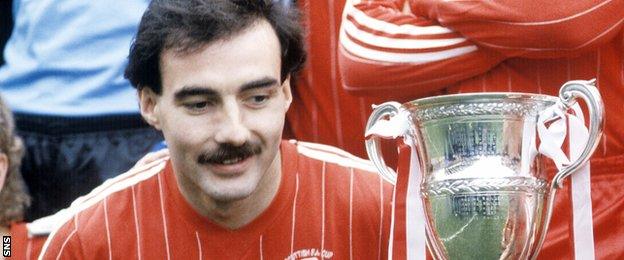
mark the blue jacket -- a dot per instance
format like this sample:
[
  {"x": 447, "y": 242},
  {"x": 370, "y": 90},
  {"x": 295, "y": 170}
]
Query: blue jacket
[{"x": 67, "y": 57}]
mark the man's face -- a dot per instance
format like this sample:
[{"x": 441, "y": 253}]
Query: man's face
[{"x": 222, "y": 111}]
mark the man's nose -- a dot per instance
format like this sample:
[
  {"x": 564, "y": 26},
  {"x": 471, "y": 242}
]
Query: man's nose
[{"x": 231, "y": 128}]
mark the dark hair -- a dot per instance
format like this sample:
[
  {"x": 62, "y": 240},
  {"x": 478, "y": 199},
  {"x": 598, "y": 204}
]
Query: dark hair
[
  {"x": 186, "y": 26},
  {"x": 14, "y": 197}
]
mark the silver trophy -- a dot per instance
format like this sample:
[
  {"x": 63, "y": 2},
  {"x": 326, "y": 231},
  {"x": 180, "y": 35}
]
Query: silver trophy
[{"x": 484, "y": 188}]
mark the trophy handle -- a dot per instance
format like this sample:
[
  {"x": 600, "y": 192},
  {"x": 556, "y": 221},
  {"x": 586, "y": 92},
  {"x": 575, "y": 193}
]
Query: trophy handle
[
  {"x": 372, "y": 144},
  {"x": 568, "y": 94}
]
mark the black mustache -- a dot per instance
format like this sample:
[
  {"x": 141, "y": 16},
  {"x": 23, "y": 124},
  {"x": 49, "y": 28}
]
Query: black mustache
[{"x": 228, "y": 151}]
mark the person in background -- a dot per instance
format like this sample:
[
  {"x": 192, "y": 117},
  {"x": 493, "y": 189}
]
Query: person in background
[
  {"x": 214, "y": 76},
  {"x": 411, "y": 49},
  {"x": 63, "y": 79},
  {"x": 14, "y": 198},
  {"x": 27, "y": 239},
  {"x": 322, "y": 110},
  {"x": 6, "y": 24}
]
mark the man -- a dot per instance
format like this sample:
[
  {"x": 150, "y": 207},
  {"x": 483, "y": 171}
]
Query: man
[
  {"x": 410, "y": 49},
  {"x": 214, "y": 77},
  {"x": 63, "y": 79}
]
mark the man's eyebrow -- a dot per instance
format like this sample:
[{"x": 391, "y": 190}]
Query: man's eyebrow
[
  {"x": 260, "y": 83},
  {"x": 188, "y": 91}
]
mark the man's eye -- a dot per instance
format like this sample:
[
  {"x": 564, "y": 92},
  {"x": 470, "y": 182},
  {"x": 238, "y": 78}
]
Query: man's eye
[
  {"x": 258, "y": 100},
  {"x": 196, "y": 105}
]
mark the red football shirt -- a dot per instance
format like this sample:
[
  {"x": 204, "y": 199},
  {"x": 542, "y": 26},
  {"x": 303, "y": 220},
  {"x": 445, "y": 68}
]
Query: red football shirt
[{"x": 329, "y": 206}]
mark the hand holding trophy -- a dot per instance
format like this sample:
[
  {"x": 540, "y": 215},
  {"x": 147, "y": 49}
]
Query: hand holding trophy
[{"x": 484, "y": 189}]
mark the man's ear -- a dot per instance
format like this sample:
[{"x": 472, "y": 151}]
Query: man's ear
[
  {"x": 4, "y": 169},
  {"x": 287, "y": 92},
  {"x": 148, "y": 103}
]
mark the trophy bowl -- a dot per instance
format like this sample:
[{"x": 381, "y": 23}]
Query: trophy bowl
[{"x": 484, "y": 189}]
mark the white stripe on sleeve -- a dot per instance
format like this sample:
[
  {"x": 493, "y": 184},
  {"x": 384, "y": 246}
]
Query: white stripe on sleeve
[
  {"x": 136, "y": 223},
  {"x": 199, "y": 246},
  {"x": 164, "y": 219},
  {"x": 397, "y": 43},
  {"x": 108, "y": 235},
  {"x": 294, "y": 215},
  {"x": 390, "y": 28},
  {"x": 415, "y": 58}
]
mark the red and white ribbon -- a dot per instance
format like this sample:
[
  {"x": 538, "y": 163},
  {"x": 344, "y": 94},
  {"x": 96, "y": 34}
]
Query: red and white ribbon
[
  {"x": 415, "y": 213},
  {"x": 552, "y": 137},
  {"x": 395, "y": 127}
]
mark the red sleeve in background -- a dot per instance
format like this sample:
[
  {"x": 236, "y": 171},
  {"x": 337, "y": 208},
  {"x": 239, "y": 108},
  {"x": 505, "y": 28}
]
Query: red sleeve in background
[
  {"x": 387, "y": 52},
  {"x": 366, "y": 78},
  {"x": 530, "y": 28}
]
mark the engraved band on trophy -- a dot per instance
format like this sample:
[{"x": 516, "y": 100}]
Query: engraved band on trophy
[{"x": 484, "y": 189}]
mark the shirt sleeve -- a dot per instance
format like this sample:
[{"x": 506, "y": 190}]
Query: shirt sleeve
[
  {"x": 386, "y": 51},
  {"x": 529, "y": 28},
  {"x": 389, "y": 49},
  {"x": 63, "y": 243}
]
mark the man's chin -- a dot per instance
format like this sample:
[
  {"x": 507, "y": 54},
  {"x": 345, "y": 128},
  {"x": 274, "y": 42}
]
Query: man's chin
[
  {"x": 228, "y": 197},
  {"x": 228, "y": 189}
]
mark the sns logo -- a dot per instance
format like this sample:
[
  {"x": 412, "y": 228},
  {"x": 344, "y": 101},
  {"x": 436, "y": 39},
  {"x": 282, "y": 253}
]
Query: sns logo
[{"x": 6, "y": 246}]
